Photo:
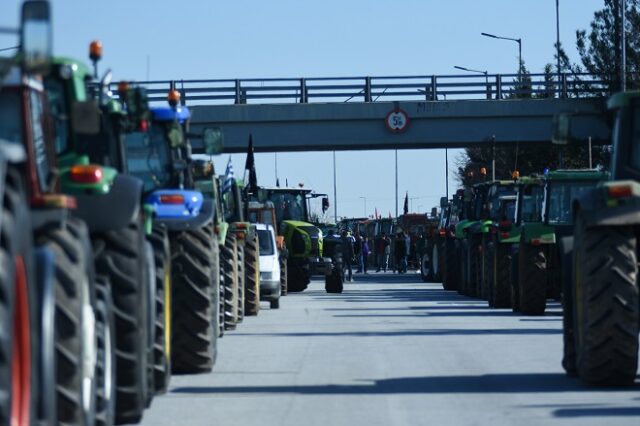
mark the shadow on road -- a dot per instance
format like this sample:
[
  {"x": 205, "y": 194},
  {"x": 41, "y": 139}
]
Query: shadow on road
[
  {"x": 414, "y": 332},
  {"x": 597, "y": 412},
  {"x": 486, "y": 384}
]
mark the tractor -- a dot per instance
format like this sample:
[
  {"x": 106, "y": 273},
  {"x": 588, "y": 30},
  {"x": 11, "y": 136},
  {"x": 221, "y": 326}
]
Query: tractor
[{"x": 600, "y": 301}]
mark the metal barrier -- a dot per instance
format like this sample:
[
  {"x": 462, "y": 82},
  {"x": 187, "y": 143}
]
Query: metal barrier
[{"x": 372, "y": 89}]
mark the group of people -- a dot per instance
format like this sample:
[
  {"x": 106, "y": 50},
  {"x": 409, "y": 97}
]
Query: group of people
[{"x": 356, "y": 247}]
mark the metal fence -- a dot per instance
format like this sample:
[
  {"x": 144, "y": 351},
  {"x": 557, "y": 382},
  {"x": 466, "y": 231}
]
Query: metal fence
[{"x": 372, "y": 89}]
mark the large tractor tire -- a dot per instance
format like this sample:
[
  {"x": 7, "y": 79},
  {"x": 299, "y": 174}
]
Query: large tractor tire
[
  {"x": 195, "y": 328},
  {"x": 605, "y": 299},
  {"x": 500, "y": 290},
  {"x": 18, "y": 353},
  {"x": 334, "y": 282},
  {"x": 514, "y": 292},
  {"x": 241, "y": 282},
  {"x": 252, "y": 275},
  {"x": 150, "y": 324},
  {"x": 450, "y": 269},
  {"x": 568, "y": 330},
  {"x": 284, "y": 276},
  {"x": 221, "y": 290},
  {"x": 120, "y": 255},
  {"x": 106, "y": 354},
  {"x": 229, "y": 262},
  {"x": 488, "y": 273},
  {"x": 532, "y": 279},
  {"x": 436, "y": 261},
  {"x": 75, "y": 337},
  {"x": 463, "y": 255},
  {"x": 297, "y": 280},
  {"x": 159, "y": 240}
]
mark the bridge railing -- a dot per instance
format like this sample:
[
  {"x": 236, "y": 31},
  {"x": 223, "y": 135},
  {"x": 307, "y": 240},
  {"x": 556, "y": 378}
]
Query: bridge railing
[{"x": 373, "y": 89}]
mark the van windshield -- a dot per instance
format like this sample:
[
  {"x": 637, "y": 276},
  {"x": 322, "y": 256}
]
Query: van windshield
[{"x": 266, "y": 242}]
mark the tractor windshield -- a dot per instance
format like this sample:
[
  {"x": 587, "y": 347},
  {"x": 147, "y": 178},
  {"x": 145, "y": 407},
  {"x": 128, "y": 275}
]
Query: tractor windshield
[
  {"x": 59, "y": 110},
  {"x": 561, "y": 197},
  {"x": 531, "y": 203},
  {"x": 289, "y": 206},
  {"x": 148, "y": 157}
]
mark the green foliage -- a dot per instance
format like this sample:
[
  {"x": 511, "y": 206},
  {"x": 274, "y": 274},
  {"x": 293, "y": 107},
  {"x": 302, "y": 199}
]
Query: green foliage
[
  {"x": 527, "y": 159},
  {"x": 599, "y": 48}
]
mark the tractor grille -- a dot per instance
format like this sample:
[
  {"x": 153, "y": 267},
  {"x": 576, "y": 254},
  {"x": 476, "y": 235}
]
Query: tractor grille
[{"x": 314, "y": 234}]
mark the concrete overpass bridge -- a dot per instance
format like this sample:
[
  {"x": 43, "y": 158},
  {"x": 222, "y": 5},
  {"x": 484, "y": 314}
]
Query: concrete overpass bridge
[{"x": 364, "y": 113}]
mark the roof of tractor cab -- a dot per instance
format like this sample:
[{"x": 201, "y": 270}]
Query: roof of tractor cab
[
  {"x": 78, "y": 68},
  {"x": 577, "y": 174},
  {"x": 622, "y": 99},
  {"x": 15, "y": 78},
  {"x": 529, "y": 180},
  {"x": 288, "y": 190},
  {"x": 167, "y": 113}
]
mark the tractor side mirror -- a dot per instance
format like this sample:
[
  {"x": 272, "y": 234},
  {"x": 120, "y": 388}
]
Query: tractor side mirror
[
  {"x": 325, "y": 204},
  {"x": 443, "y": 202},
  {"x": 213, "y": 139},
  {"x": 35, "y": 37},
  {"x": 561, "y": 129},
  {"x": 85, "y": 118}
]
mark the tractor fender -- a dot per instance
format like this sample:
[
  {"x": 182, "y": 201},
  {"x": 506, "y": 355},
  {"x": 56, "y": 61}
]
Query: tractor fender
[
  {"x": 596, "y": 211},
  {"x": 113, "y": 210},
  {"x": 173, "y": 224}
]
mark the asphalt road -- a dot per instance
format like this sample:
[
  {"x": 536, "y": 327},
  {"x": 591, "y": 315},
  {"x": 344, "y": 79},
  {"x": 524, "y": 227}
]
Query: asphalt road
[{"x": 391, "y": 350}]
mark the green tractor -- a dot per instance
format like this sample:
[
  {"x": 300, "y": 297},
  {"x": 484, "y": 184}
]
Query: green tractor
[
  {"x": 528, "y": 236},
  {"x": 497, "y": 239},
  {"x": 303, "y": 240},
  {"x": 446, "y": 248},
  {"x": 91, "y": 128},
  {"x": 601, "y": 303},
  {"x": 50, "y": 307},
  {"x": 544, "y": 238}
]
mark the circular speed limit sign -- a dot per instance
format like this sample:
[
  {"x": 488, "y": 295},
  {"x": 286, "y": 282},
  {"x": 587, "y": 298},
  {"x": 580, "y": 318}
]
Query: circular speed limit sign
[{"x": 397, "y": 121}]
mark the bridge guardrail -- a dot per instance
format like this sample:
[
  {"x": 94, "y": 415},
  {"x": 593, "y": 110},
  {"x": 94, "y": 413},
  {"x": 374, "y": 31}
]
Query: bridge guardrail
[{"x": 386, "y": 88}]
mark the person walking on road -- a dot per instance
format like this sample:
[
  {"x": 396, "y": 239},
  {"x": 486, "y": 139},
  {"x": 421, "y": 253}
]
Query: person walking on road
[
  {"x": 379, "y": 250},
  {"x": 357, "y": 250},
  {"x": 347, "y": 255},
  {"x": 399, "y": 251},
  {"x": 364, "y": 254},
  {"x": 407, "y": 250},
  {"x": 387, "y": 252}
]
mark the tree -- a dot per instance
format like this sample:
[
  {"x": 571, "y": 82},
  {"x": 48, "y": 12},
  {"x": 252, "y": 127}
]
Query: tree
[{"x": 599, "y": 49}]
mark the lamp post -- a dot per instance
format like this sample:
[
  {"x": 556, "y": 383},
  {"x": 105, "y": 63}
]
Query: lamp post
[
  {"x": 486, "y": 77},
  {"x": 558, "y": 47},
  {"x": 517, "y": 40},
  {"x": 365, "y": 205}
]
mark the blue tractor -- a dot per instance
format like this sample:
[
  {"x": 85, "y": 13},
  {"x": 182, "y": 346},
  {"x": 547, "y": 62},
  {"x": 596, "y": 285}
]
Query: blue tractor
[{"x": 161, "y": 157}]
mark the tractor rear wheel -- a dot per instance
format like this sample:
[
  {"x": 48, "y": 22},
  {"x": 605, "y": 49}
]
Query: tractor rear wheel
[
  {"x": 284, "y": 278},
  {"x": 195, "y": 330},
  {"x": 488, "y": 272},
  {"x": 513, "y": 282},
  {"x": 159, "y": 240},
  {"x": 500, "y": 290},
  {"x": 532, "y": 279},
  {"x": 18, "y": 354},
  {"x": 120, "y": 255},
  {"x": 241, "y": 282},
  {"x": 605, "y": 304},
  {"x": 75, "y": 338},
  {"x": 106, "y": 355},
  {"x": 298, "y": 279},
  {"x": 229, "y": 262},
  {"x": 449, "y": 275},
  {"x": 252, "y": 275}
]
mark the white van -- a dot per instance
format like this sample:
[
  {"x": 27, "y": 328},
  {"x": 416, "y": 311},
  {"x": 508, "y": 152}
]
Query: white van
[{"x": 269, "y": 265}]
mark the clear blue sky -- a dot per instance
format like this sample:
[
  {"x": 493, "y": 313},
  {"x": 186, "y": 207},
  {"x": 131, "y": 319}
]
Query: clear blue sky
[{"x": 291, "y": 38}]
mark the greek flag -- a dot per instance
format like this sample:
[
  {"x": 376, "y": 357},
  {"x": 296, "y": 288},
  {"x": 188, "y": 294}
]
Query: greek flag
[{"x": 228, "y": 177}]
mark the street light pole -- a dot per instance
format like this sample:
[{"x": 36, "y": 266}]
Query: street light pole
[
  {"x": 486, "y": 77},
  {"x": 365, "y": 206},
  {"x": 396, "y": 183},
  {"x": 517, "y": 40},
  {"x": 558, "y": 47},
  {"x": 335, "y": 191},
  {"x": 623, "y": 50}
]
